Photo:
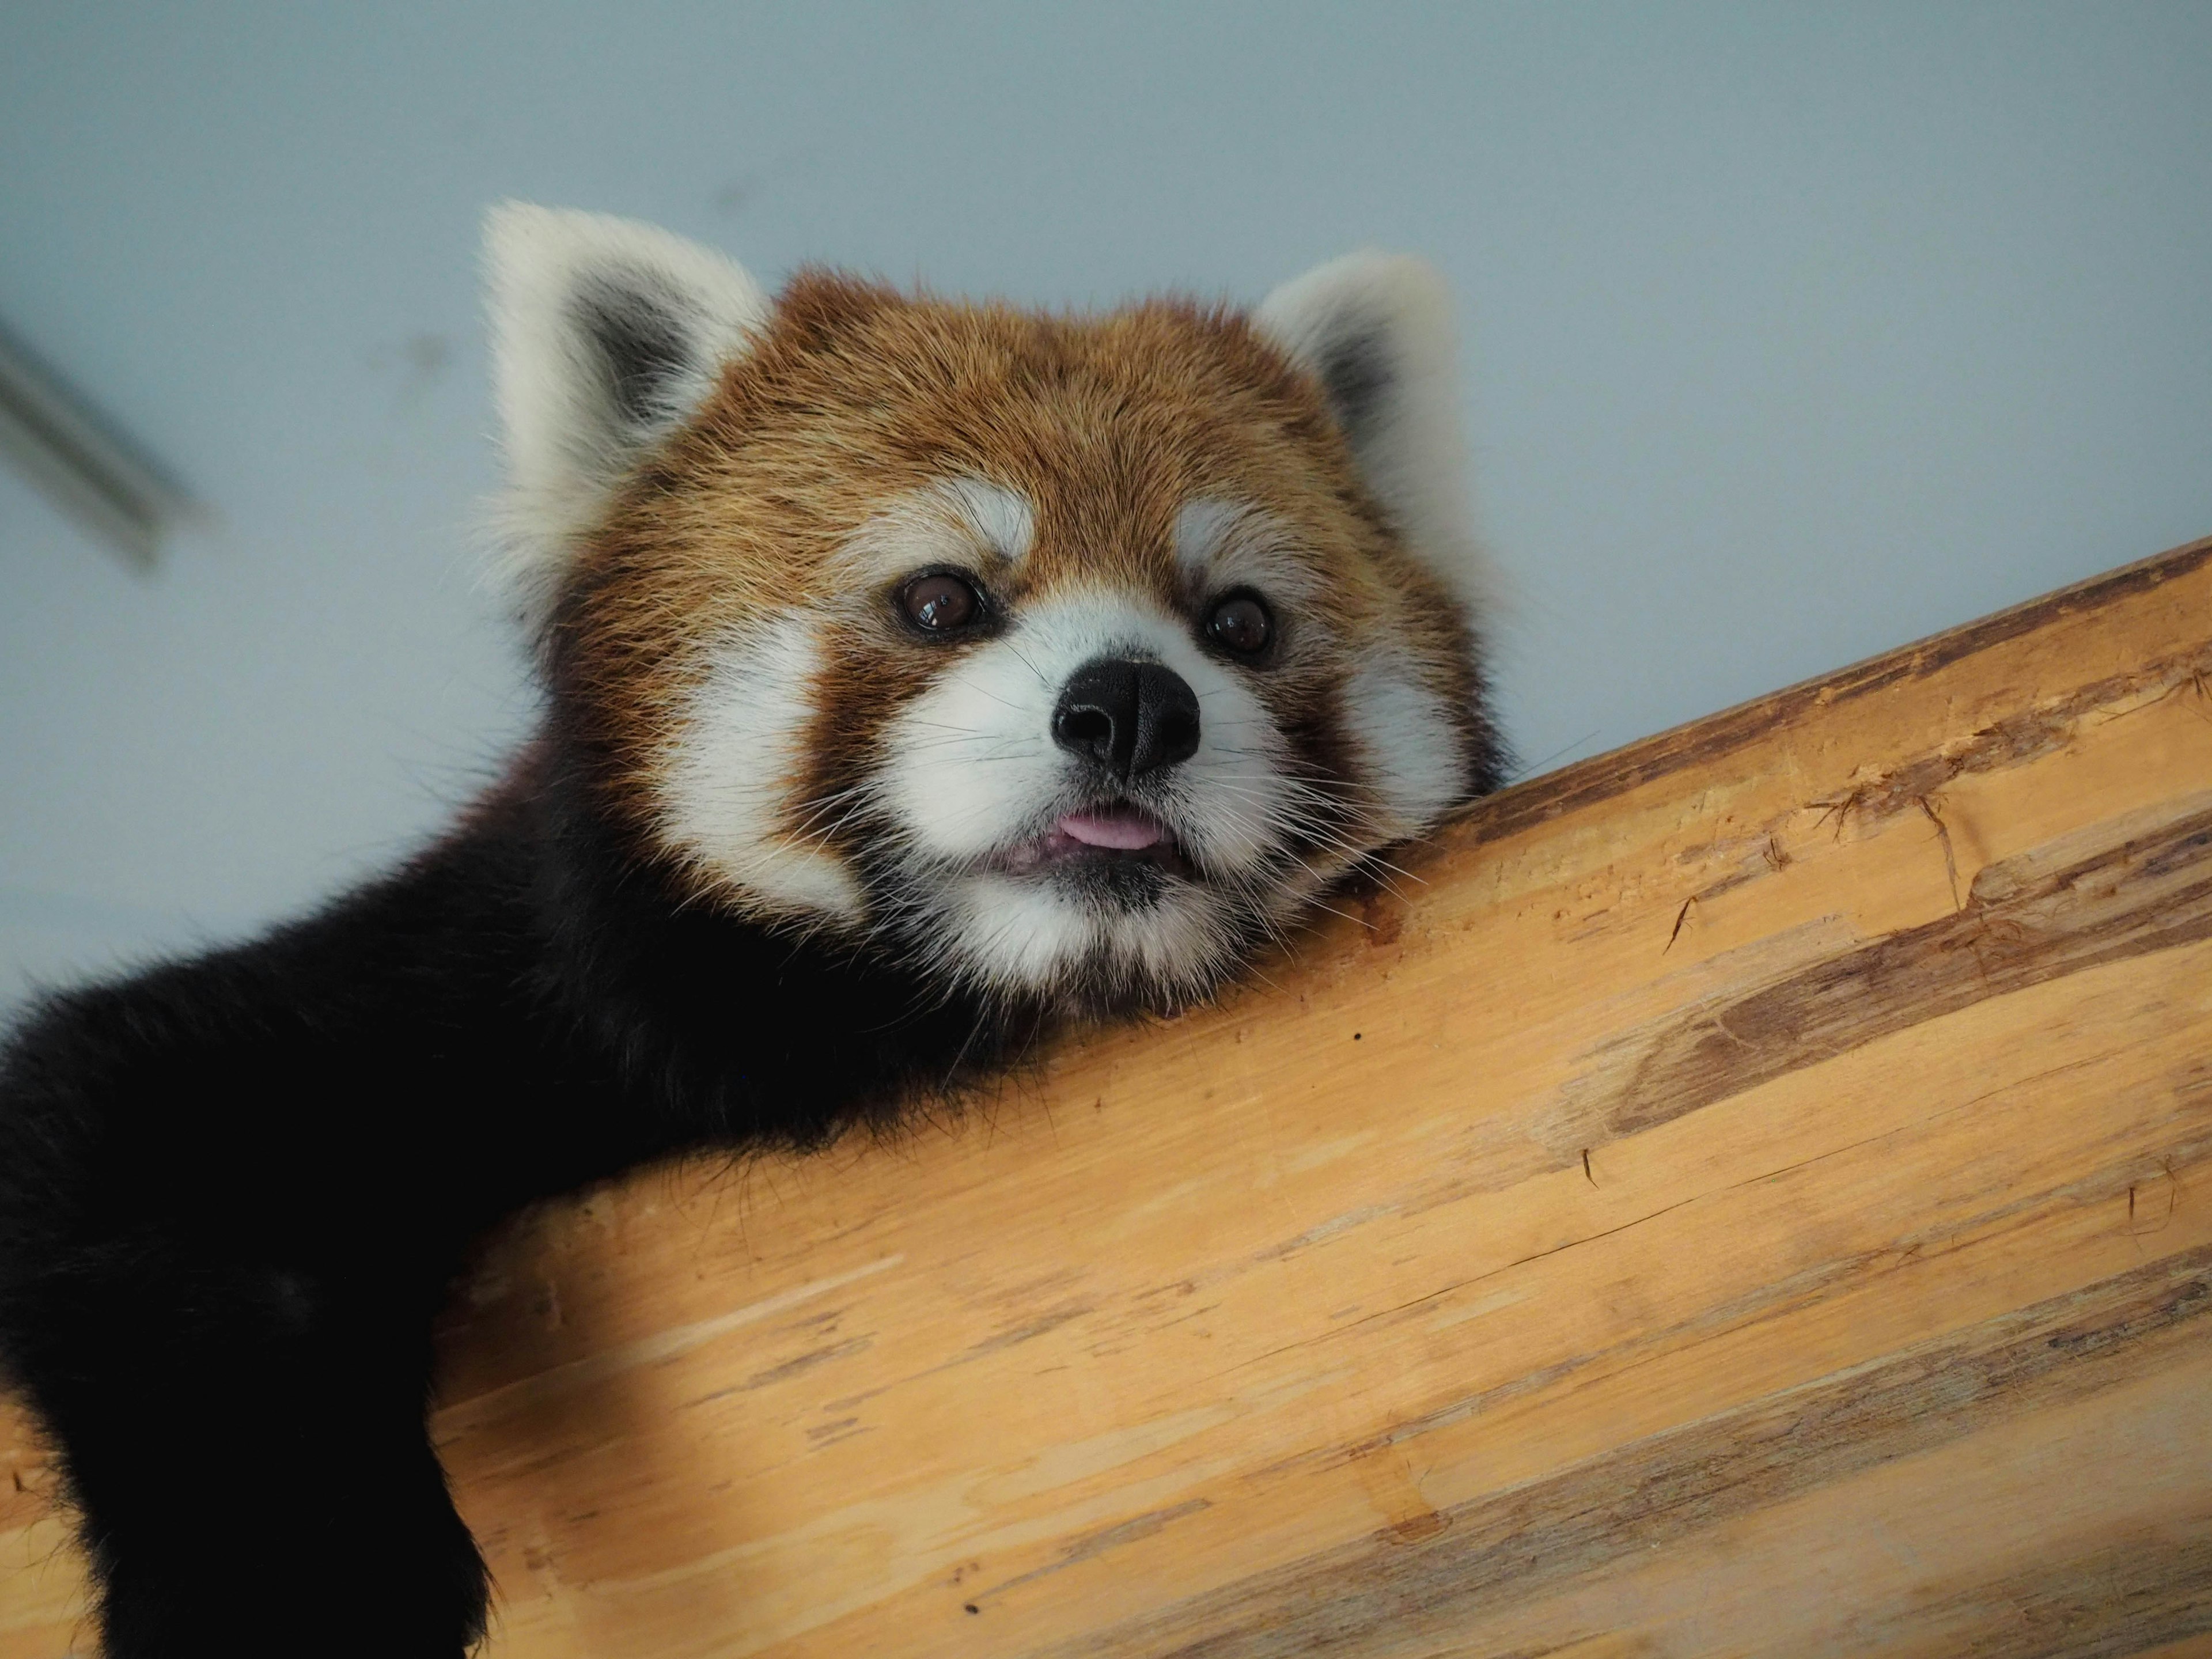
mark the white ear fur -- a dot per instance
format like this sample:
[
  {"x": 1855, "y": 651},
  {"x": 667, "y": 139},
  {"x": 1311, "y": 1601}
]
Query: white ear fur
[
  {"x": 1375, "y": 329},
  {"x": 606, "y": 335}
]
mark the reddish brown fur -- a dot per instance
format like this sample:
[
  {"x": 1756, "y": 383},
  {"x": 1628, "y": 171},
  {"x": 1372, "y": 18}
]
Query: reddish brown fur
[{"x": 856, "y": 395}]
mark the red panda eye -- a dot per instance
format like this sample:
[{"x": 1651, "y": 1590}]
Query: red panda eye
[
  {"x": 940, "y": 604},
  {"x": 1241, "y": 624}
]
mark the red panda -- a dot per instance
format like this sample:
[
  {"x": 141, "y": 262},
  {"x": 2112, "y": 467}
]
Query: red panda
[{"x": 917, "y": 676}]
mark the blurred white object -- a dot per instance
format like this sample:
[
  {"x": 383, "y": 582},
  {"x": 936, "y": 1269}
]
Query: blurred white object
[{"x": 81, "y": 463}]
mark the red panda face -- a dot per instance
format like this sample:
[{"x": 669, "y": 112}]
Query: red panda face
[{"x": 1067, "y": 658}]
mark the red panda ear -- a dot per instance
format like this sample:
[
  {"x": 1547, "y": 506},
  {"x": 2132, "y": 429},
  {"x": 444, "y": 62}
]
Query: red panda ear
[
  {"x": 1375, "y": 330},
  {"x": 606, "y": 335}
]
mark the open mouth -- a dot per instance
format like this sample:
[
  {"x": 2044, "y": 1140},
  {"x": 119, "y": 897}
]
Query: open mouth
[{"x": 1117, "y": 833}]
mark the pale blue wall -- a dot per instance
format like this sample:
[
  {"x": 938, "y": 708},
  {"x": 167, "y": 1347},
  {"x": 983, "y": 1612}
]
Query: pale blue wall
[{"x": 1796, "y": 332}]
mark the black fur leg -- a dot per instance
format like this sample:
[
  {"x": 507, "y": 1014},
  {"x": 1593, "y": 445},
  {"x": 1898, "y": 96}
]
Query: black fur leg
[
  {"x": 266, "y": 1568},
  {"x": 246, "y": 1447}
]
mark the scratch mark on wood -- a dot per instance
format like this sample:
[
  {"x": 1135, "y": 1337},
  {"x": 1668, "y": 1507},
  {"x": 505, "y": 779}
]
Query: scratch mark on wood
[
  {"x": 1950, "y": 861},
  {"x": 1328, "y": 1228},
  {"x": 1839, "y": 808},
  {"x": 795, "y": 1366},
  {"x": 1091, "y": 1544},
  {"x": 1680, "y": 916}
]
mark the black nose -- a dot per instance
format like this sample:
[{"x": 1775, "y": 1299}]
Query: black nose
[{"x": 1130, "y": 717}]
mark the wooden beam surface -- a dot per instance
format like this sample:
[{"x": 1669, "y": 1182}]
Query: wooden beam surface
[{"x": 1749, "y": 1193}]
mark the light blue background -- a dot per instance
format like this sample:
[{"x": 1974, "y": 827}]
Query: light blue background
[{"x": 1794, "y": 332}]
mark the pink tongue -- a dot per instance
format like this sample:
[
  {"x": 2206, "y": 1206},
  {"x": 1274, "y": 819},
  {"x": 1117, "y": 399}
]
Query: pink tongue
[{"x": 1124, "y": 829}]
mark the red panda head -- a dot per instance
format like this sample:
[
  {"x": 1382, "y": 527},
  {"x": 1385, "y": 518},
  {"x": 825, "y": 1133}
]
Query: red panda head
[{"x": 1066, "y": 657}]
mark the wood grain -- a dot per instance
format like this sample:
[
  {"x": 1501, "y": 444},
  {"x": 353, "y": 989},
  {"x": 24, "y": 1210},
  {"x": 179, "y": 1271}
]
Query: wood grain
[{"x": 1750, "y": 1193}]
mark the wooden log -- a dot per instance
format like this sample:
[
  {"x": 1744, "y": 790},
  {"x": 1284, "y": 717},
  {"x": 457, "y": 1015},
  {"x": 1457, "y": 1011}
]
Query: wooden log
[{"x": 1749, "y": 1193}]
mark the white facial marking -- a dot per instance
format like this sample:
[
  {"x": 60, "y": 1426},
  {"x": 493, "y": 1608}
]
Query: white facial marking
[
  {"x": 1222, "y": 545},
  {"x": 1024, "y": 934},
  {"x": 1002, "y": 517},
  {"x": 1201, "y": 530},
  {"x": 1406, "y": 732},
  {"x": 1021, "y": 936},
  {"x": 728, "y": 782},
  {"x": 954, "y": 521}
]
